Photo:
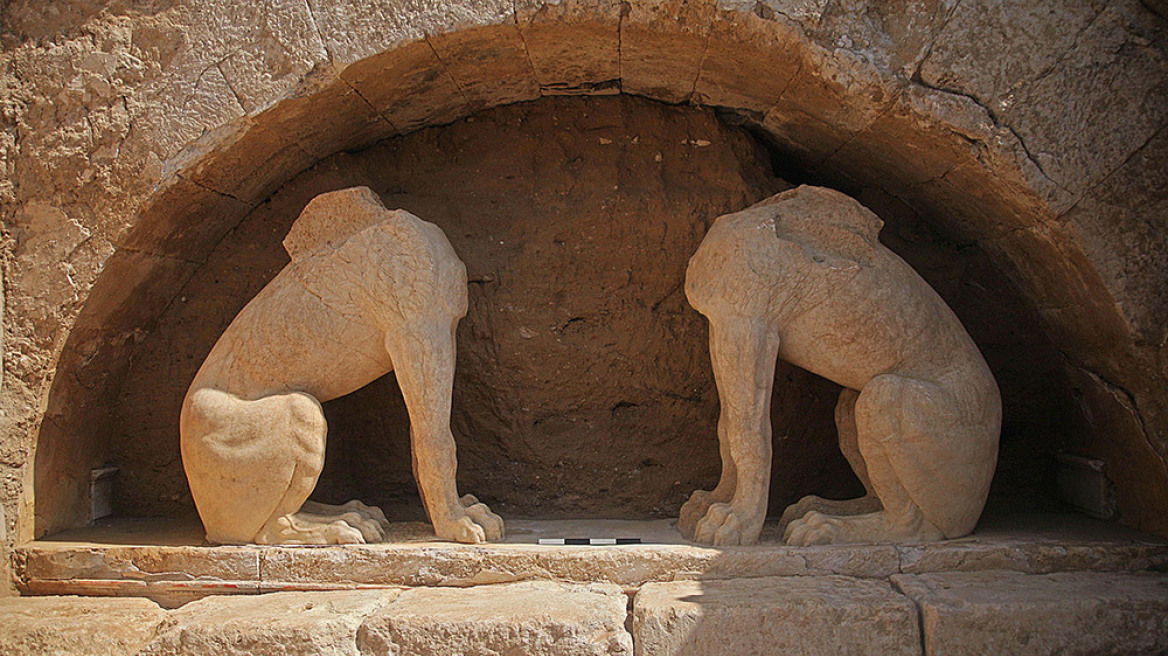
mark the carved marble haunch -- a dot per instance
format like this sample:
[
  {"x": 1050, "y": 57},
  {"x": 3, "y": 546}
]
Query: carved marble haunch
[
  {"x": 802, "y": 276},
  {"x": 368, "y": 291}
]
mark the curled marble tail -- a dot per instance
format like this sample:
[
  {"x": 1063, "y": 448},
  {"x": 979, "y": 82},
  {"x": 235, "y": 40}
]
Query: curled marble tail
[
  {"x": 801, "y": 276},
  {"x": 368, "y": 291}
]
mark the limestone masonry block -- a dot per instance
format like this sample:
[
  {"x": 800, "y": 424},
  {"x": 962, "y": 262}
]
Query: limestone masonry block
[
  {"x": 1067, "y": 613},
  {"x": 790, "y": 615},
  {"x": 542, "y": 617},
  {"x": 287, "y": 623},
  {"x": 76, "y": 625},
  {"x": 574, "y": 46}
]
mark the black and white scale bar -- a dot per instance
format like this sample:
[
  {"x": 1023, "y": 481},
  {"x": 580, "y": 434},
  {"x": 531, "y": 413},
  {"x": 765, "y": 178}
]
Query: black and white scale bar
[{"x": 588, "y": 541}]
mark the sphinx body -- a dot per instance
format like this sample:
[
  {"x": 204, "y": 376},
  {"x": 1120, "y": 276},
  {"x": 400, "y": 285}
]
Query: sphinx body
[
  {"x": 368, "y": 291},
  {"x": 802, "y": 277}
]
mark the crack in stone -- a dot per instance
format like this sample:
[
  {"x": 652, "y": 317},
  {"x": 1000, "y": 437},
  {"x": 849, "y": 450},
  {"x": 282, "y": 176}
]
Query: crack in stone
[
  {"x": 918, "y": 78},
  {"x": 1120, "y": 394},
  {"x": 523, "y": 40},
  {"x": 378, "y": 113},
  {"x": 227, "y": 81},
  {"x": 786, "y": 87},
  {"x": 1127, "y": 160},
  {"x": 994, "y": 118},
  {"x": 856, "y": 135},
  {"x": 625, "y": 8},
  {"x": 446, "y": 69},
  {"x": 180, "y": 175},
  {"x": 1074, "y": 44},
  {"x": 316, "y": 27},
  {"x": 920, "y": 612},
  {"x": 920, "y": 61},
  {"x": 693, "y": 92}
]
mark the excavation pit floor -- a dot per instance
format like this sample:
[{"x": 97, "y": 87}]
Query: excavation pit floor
[{"x": 169, "y": 561}]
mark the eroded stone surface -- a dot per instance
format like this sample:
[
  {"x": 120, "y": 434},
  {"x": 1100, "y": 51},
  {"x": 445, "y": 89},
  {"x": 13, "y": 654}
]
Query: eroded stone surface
[
  {"x": 177, "y": 573},
  {"x": 663, "y": 47},
  {"x": 7, "y": 583},
  {"x": 74, "y": 626},
  {"x": 800, "y": 615},
  {"x": 528, "y": 618},
  {"x": 573, "y": 46},
  {"x": 103, "y": 102},
  {"x": 291, "y": 623},
  {"x": 1066, "y": 613}
]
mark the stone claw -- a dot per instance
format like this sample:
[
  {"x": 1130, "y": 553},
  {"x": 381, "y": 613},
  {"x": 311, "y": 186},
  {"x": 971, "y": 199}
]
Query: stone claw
[
  {"x": 492, "y": 524},
  {"x": 721, "y": 527},
  {"x": 813, "y": 528},
  {"x": 464, "y": 530},
  {"x": 693, "y": 511},
  {"x": 371, "y": 530}
]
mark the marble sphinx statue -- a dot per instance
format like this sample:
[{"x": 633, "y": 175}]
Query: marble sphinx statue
[
  {"x": 801, "y": 276},
  {"x": 368, "y": 291}
]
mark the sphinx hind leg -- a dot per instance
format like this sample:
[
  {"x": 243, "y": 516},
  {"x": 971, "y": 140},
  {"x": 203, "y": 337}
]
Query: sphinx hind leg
[
  {"x": 252, "y": 464},
  {"x": 238, "y": 470},
  {"x": 305, "y": 429},
  {"x": 898, "y": 425},
  {"x": 845, "y": 422}
]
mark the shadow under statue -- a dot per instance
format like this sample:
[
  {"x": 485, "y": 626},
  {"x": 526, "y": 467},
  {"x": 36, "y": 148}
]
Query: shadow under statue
[
  {"x": 368, "y": 291},
  {"x": 803, "y": 277}
]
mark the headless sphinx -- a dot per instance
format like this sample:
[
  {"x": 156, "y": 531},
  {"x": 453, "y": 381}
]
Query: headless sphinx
[
  {"x": 368, "y": 291},
  {"x": 802, "y": 277}
]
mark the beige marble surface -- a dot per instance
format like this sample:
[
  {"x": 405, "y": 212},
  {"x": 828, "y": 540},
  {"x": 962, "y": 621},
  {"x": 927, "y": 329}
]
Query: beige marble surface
[
  {"x": 802, "y": 276},
  {"x": 368, "y": 291}
]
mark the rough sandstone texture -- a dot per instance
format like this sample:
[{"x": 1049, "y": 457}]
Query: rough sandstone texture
[
  {"x": 288, "y": 623},
  {"x": 797, "y": 615},
  {"x": 542, "y": 617},
  {"x": 1065, "y": 613},
  {"x": 70, "y": 626},
  {"x": 950, "y": 613},
  {"x": 135, "y": 136},
  {"x": 7, "y": 585},
  {"x": 87, "y": 561},
  {"x": 520, "y": 618}
]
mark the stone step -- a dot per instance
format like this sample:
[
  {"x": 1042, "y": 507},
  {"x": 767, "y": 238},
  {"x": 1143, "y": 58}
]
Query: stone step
[
  {"x": 166, "y": 560},
  {"x": 77, "y": 625},
  {"x": 779, "y": 615},
  {"x": 988, "y": 612},
  {"x": 537, "y": 617},
  {"x": 1064, "y": 613}
]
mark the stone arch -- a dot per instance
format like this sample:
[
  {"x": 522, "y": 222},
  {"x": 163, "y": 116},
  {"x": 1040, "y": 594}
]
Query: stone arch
[{"x": 863, "y": 119}]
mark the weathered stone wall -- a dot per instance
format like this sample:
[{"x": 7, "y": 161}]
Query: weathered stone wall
[{"x": 136, "y": 134}]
